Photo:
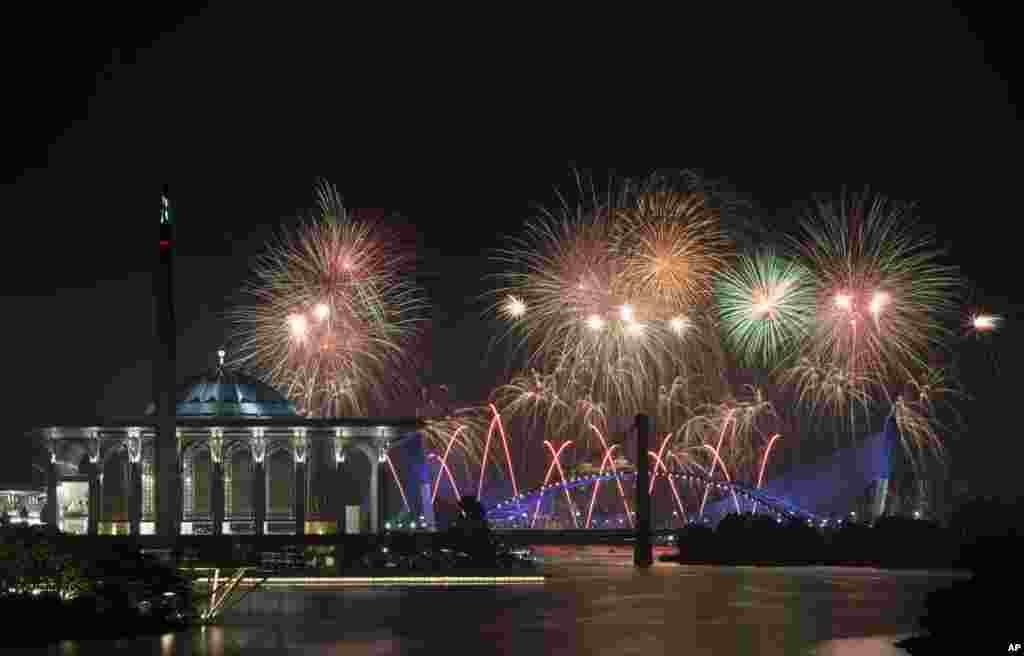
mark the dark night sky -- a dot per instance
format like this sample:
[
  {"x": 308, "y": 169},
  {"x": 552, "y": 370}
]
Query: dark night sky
[{"x": 459, "y": 123}]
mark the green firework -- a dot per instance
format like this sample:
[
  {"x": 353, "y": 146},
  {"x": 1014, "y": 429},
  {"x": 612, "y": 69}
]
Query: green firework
[{"x": 766, "y": 304}]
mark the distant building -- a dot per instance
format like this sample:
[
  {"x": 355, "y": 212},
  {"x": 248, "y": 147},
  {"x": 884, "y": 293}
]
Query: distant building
[
  {"x": 22, "y": 502},
  {"x": 866, "y": 481}
]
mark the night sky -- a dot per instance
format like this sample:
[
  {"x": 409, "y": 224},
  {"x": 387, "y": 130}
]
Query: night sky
[{"x": 460, "y": 123}]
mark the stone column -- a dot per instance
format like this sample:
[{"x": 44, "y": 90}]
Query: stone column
[
  {"x": 259, "y": 497},
  {"x": 300, "y": 498},
  {"x": 52, "y": 512},
  {"x": 300, "y": 449},
  {"x": 339, "y": 498},
  {"x": 217, "y": 496},
  {"x": 258, "y": 446},
  {"x": 217, "y": 480},
  {"x": 382, "y": 489},
  {"x": 134, "y": 446},
  {"x": 95, "y": 499},
  {"x": 376, "y": 525},
  {"x": 95, "y": 472},
  {"x": 177, "y": 486},
  {"x": 338, "y": 480},
  {"x": 134, "y": 496}
]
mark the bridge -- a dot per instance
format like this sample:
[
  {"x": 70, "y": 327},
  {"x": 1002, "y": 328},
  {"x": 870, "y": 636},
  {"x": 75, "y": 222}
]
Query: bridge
[
  {"x": 519, "y": 513},
  {"x": 847, "y": 480}
]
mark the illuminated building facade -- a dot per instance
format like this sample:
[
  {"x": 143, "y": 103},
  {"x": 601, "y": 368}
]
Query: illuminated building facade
[{"x": 246, "y": 461}]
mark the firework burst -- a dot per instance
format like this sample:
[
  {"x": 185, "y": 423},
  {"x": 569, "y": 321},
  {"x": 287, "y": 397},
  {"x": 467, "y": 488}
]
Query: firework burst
[
  {"x": 611, "y": 297},
  {"x": 671, "y": 244},
  {"x": 766, "y": 306},
  {"x": 329, "y": 313},
  {"x": 884, "y": 296}
]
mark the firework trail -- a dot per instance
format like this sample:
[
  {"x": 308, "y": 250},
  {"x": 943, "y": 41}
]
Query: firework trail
[
  {"x": 330, "y": 313},
  {"x": 732, "y": 427},
  {"x": 470, "y": 424},
  {"x": 916, "y": 409},
  {"x": 828, "y": 390}
]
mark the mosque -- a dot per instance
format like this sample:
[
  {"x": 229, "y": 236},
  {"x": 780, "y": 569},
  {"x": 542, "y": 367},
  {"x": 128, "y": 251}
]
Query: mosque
[
  {"x": 222, "y": 454},
  {"x": 248, "y": 464}
]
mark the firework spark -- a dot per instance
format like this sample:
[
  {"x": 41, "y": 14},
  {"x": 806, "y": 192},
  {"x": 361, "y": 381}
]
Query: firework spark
[
  {"x": 514, "y": 307},
  {"x": 329, "y": 313},
  {"x": 985, "y": 323}
]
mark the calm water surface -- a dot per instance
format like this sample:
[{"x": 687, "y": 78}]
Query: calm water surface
[{"x": 606, "y": 608}]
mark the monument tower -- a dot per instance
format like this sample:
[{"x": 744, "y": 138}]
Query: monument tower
[{"x": 164, "y": 377}]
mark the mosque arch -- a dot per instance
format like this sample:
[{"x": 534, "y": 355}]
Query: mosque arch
[
  {"x": 238, "y": 481},
  {"x": 197, "y": 481},
  {"x": 353, "y": 485},
  {"x": 114, "y": 505},
  {"x": 280, "y": 472}
]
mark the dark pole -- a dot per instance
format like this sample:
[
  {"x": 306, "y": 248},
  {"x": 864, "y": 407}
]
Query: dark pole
[
  {"x": 164, "y": 377},
  {"x": 643, "y": 556}
]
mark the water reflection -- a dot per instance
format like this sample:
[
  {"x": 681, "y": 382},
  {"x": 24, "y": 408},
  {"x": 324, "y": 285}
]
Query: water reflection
[
  {"x": 876, "y": 645},
  {"x": 585, "y": 609}
]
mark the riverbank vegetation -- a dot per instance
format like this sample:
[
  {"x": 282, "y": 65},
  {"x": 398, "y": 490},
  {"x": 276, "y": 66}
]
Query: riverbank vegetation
[{"x": 980, "y": 533}]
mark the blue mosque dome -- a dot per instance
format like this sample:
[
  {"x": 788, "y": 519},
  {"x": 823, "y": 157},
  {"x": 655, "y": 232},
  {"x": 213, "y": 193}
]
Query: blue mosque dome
[{"x": 224, "y": 392}]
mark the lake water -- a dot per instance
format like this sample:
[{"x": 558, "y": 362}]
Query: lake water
[{"x": 586, "y": 608}]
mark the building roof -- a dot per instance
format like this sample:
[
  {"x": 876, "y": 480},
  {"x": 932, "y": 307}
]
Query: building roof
[
  {"x": 226, "y": 398},
  {"x": 225, "y": 392}
]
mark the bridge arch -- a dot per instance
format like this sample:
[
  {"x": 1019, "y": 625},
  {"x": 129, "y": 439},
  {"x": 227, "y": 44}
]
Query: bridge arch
[{"x": 521, "y": 510}]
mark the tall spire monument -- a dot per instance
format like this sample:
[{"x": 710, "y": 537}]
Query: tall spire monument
[{"x": 164, "y": 377}]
